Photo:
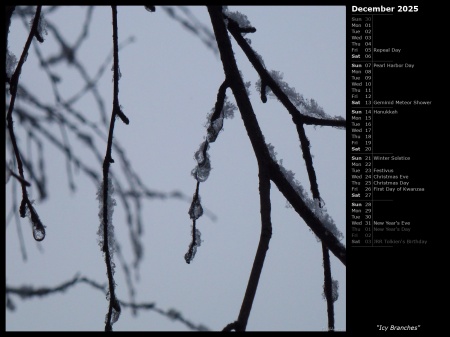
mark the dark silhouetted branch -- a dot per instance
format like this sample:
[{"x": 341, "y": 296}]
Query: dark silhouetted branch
[
  {"x": 264, "y": 158},
  {"x": 267, "y": 80},
  {"x": 107, "y": 204},
  {"x": 26, "y": 207},
  {"x": 328, "y": 287},
  {"x": 26, "y": 292},
  {"x": 257, "y": 138},
  {"x": 263, "y": 247}
]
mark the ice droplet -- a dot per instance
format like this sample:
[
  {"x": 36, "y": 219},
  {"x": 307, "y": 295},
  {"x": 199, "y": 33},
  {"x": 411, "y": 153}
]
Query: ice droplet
[
  {"x": 189, "y": 256},
  {"x": 196, "y": 209},
  {"x": 38, "y": 233},
  {"x": 335, "y": 290},
  {"x": 11, "y": 62},
  {"x": 115, "y": 311},
  {"x": 214, "y": 129},
  {"x": 199, "y": 156},
  {"x": 38, "y": 227},
  {"x": 196, "y": 242},
  {"x": 201, "y": 172},
  {"x": 173, "y": 314}
]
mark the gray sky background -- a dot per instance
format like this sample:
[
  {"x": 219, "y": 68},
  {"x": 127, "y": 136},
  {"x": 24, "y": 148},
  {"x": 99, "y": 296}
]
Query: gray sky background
[{"x": 169, "y": 84}]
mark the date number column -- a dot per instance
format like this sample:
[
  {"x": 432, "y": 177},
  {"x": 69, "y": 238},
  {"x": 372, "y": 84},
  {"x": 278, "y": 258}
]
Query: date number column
[{"x": 361, "y": 129}]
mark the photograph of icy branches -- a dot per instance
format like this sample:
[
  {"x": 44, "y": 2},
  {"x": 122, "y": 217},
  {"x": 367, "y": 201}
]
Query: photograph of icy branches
[{"x": 175, "y": 168}]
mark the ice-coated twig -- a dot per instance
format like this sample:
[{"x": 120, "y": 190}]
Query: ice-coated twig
[
  {"x": 222, "y": 109},
  {"x": 330, "y": 287},
  {"x": 106, "y": 190},
  {"x": 26, "y": 206},
  {"x": 290, "y": 99},
  {"x": 320, "y": 211},
  {"x": 313, "y": 204},
  {"x": 268, "y": 82},
  {"x": 26, "y": 292}
]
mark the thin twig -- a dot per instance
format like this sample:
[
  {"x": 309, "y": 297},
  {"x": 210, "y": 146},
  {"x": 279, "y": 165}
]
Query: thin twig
[
  {"x": 328, "y": 287},
  {"x": 26, "y": 292},
  {"x": 108, "y": 247},
  {"x": 266, "y": 78},
  {"x": 38, "y": 227}
]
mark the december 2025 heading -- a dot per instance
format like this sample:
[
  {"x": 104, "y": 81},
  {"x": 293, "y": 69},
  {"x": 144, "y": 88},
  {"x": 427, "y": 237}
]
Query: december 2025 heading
[{"x": 387, "y": 9}]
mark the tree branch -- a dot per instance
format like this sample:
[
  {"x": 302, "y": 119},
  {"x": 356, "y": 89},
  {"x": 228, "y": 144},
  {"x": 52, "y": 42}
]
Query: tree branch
[
  {"x": 297, "y": 117},
  {"x": 108, "y": 247},
  {"x": 38, "y": 227},
  {"x": 263, "y": 247},
  {"x": 257, "y": 139},
  {"x": 328, "y": 287},
  {"x": 29, "y": 292}
]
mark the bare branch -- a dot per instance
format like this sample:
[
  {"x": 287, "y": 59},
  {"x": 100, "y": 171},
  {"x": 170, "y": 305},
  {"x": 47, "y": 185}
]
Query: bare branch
[
  {"x": 257, "y": 138},
  {"x": 26, "y": 292},
  {"x": 263, "y": 247},
  {"x": 38, "y": 227},
  {"x": 108, "y": 247}
]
